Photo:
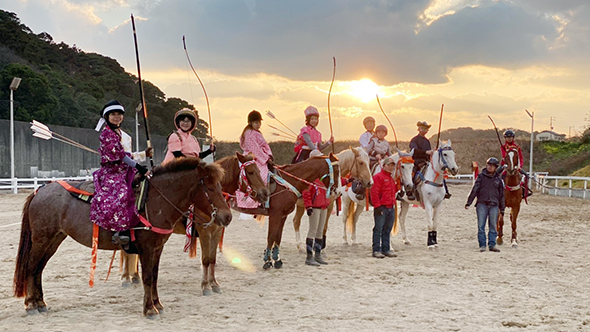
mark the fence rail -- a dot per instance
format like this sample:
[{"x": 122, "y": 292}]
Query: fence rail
[{"x": 35, "y": 183}]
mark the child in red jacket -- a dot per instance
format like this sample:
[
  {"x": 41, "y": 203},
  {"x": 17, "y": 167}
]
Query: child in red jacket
[
  {"x": 316, "y": 202},
  {"x": 383, "y": 198}
]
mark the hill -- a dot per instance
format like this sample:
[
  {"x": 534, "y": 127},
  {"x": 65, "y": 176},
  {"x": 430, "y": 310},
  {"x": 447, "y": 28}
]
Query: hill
[{"x": 64, "y": 85}]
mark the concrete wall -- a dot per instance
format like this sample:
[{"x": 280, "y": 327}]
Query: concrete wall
[{"x": 54, "y": 155}]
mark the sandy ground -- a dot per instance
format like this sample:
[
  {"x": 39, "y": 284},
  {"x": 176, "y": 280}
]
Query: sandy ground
[{"x": 541, "y": 286}]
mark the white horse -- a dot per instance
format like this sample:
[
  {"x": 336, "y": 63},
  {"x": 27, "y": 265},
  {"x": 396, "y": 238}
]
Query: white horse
[
  {"x": 352, "y": 206},
  {"x": 353, "y": 161},
  {"x": 431, "y": 191}
]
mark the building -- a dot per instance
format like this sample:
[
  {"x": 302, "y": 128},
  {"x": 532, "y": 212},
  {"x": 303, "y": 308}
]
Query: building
[{"x": 548, "y": 135}]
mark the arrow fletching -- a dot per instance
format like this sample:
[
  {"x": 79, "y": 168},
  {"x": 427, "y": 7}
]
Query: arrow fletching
[
  {"x": 269, "y": 113},
  {"x": 42, "y": 136}
]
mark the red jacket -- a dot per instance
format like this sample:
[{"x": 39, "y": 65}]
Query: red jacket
[
  {"x": 315, "y": 197},
  {"x": 383, "y": 189},
  {"x": 506, "y": 147}
]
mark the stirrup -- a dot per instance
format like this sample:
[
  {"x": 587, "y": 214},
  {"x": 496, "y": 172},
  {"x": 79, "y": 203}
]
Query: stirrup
[{"x": 120, "y": 239}]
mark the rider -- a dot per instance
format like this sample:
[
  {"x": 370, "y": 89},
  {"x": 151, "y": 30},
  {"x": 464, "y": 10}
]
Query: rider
[
  {"x": 489, "y": 190},
  {"x": 113, "y": 204},
  {"x": 309, "y": 138},
  {"x": 181, "y": 143},
  {"x": 316, "y": 205},
  {"x": 510, "y": 144},
  {"x": 422, "y": 154},
  {"x": 369, "y": 123},
  {"x": 252, "y": 141},
  {"x": 378, "y": 147}
]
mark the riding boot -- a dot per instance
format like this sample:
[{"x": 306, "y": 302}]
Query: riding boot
[
  {"x": 434, "y": 241},
  {"x": 309, "y": 250},
  {"x": 120, "y": 239},
  {"x": 447, "y": 195},
  {"x": 318, "y": 252},
  {"x": 324, "y": 242},
  {"x": 431, "y": 236}
]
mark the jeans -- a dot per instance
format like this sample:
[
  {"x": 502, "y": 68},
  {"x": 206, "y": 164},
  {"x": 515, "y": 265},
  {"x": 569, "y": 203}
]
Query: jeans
[
  {"x": 484, "y": 213},
  {"x": 382, "y": 229}
]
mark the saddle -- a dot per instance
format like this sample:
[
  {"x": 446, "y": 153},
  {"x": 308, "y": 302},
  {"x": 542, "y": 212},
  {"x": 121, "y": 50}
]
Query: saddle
[{"x": 84, "y": 191}]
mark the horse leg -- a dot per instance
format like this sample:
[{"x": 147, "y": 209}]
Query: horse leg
[
  {"x": 500, "y": 230},
  {"x": 346, "y": 202},
  {"x": 215, "y": 238},
  {"x": 39, "y": 256},
  {"x": 205, "y": 239},
  {"x": 130, "y": 269},
  {"x": 513, "y": 216},
  {"x": 297, "y": 224},
  {"x": 429, "y": 220},
  {"x": 436, "y": 214},
  {"x": 155, "y": 298},
  {"x": 403, "y": 212},
  {"x": 355, "y": 219},
  {"x": 274, "y": 239},
  {"x": 148, "y": 260}
]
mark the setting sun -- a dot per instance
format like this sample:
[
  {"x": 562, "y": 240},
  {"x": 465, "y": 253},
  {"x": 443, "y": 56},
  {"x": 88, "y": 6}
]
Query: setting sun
[{"x": 365, "y": 90}]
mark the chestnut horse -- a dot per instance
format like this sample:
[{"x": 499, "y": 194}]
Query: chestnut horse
[
  {"x": 241, "y": 173},
  {"x": 298, "y": 177},
  {"x": 353, "y": 161},
  {"x": 52, "y": 214},
  {"x": 512, "y": 195}
]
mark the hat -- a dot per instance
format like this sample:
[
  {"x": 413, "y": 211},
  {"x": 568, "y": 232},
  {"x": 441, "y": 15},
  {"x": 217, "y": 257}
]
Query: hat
[
  {"x": 254, "y": 116},
  {"x": 509, "y": 133},
  {"x": 423, "y": 124},
  {"x": 310, "y": 110},
  {"x": 186, "y": 112},
  {"x": 381, "y": 128},
  {"x": 110, "y": 107},
  {"x": 493, "y": 161},
  {"x": 388, "y": 160},
  {"x": 368, "y": 119}
]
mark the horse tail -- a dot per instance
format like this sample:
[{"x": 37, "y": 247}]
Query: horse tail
[
  {"x": 24, "y": 249},
  {"x": 350, "y": 216}
]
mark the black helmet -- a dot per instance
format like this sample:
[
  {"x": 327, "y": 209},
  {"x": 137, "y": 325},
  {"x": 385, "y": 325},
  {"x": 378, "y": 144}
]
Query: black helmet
[
  {"x": 112, "y": 106},
  {"x": 493, "y": 161},
  {"x": 509, "y": 133},
  {"x": 254, "y": 116}
]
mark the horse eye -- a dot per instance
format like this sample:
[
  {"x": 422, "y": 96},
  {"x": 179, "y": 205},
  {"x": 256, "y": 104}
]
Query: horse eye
[
  {"x": 250, "y": 173},
  {"x": 361, "y": 163}
]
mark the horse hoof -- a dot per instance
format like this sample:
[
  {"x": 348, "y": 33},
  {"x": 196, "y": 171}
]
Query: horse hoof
[
  {"x": 267, "y": 265},
  {"x": 42, "y": 309},
  {"x": 499, "y": 241},
  {"x": 126, "y": 284},
  {"x": 431, "y": 247},
  {"x": 32, "y": 312},
  {"x": 136, "y": 280},
  {"x": 207, "y": 292},
  {"x": 408, "y": 243},
  {"x": 159, "y": 306},
  {"x": 152, "y": 314},
  {"x": 216, "y": 289},
  {"x": 278, "y": 264}
]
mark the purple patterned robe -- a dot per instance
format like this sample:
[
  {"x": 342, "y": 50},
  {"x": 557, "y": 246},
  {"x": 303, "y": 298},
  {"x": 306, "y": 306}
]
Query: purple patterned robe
[{"x": 113, "y": 205}]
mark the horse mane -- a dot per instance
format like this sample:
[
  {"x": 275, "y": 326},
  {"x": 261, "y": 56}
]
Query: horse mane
[{"x": 188, "y": 164}]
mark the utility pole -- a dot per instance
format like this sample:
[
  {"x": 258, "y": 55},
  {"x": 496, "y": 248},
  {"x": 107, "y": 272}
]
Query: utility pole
[
  {"x": 13, "y": 86},
  {"x": 532, "y": 116},
  {"x": 551, "y": 119}
]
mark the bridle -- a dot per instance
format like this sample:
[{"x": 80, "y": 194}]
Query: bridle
[
  {"x": 244, "y": 183},
  {"x": 292, "y": 188}
]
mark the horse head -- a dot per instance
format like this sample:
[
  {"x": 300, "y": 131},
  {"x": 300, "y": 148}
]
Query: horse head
[
  {"x": 444, "y": 159},
  {"x": 210, "y": 200},
  {"x": 511, "y": 161},
  {"x": 404, "y": 165},
  {"x": 252, "y": 184},
  {"x": 360, "y": 167}
]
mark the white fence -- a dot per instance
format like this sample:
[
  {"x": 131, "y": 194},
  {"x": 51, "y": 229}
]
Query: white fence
[
  {"x": 570, "y": 186},
  {"x": 34, "y": 183}
]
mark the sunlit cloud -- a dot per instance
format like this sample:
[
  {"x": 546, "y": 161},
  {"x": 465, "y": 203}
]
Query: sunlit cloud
[{"x": 441, "y": 8}]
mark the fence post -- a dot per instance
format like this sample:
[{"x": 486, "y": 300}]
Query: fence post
[
  {"x": 35, "y": 183},
  {"x": 585, "y": 187},
  {"x": 569, "y": 193}
]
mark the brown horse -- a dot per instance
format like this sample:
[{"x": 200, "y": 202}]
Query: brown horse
[
  {"x": 52, "y": 214},
  {"x": 353, "y": 161},
  {"x": 283, "y": 200},
  {"x": 235, "y": 167},
  {"x": 512, "y": 195}
]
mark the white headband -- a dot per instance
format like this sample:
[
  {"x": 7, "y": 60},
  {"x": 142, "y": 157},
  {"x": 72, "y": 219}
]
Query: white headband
[{"x": 102, "y": 121}]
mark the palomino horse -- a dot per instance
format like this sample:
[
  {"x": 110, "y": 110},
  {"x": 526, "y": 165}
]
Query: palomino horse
[
  {"x": 297, "y": 177},
  {"x": 353, "y": 161},
  {"x": 241, "y": 173},
  {"x": 431, "y": 191},
  {"x": 512, "y": 195},
  {"x": 350, "y": 213},
  {"x": 52, "y": 214}
]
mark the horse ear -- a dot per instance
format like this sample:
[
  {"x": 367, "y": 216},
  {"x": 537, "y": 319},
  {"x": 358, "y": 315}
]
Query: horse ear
[
  {"x": 355, "y": 152},
  {"x": 449, "y": 142},
  {"x": 241, "y": 157},
  {"x": 412, "y": 152}
]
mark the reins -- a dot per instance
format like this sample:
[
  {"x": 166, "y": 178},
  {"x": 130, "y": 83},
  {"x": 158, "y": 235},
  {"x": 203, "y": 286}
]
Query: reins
[{"x": 331, "y": 165}]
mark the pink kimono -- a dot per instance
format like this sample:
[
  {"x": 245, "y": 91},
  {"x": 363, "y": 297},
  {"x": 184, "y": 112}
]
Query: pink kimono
[
  {"x": 183, "y": 142},
  {"x": 254, "y": 143},
  {"x": 113, "y": 205}
]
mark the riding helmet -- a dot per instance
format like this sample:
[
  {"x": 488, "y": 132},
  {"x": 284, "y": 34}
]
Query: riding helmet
[
  {"x": 509, "y": 133},
  {"x": 493, "y": 161},
  {"x": 310, "y": 110},
  {"x": 368, "y": 119},
  {"x": 381, "y": 128},
  {"x": 254, "y": 116},
  {"x": 112, "y": 106},
  {"x": 186, "y": 112}
]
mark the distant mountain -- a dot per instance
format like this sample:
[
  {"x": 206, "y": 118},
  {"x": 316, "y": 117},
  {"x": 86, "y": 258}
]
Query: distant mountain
[
  {"x": 468, "y": 133},
  {"x": 64, "y": 85}
]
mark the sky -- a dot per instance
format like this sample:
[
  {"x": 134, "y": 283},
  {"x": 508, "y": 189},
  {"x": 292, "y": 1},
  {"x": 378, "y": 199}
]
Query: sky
[{"x": 477, "y": 57}]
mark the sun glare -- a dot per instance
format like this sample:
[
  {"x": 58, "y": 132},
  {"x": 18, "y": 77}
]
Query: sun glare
[{"x": 365, "y": 89}]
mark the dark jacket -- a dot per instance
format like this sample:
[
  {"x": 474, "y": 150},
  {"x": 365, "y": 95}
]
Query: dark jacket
[
  {"x": 420, "y": 144},
  {"x": 489, "y": 190}
]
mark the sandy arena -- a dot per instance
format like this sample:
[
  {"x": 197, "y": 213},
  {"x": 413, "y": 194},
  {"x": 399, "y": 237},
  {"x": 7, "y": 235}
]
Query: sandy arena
[{"x": 541, "y": 286}]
